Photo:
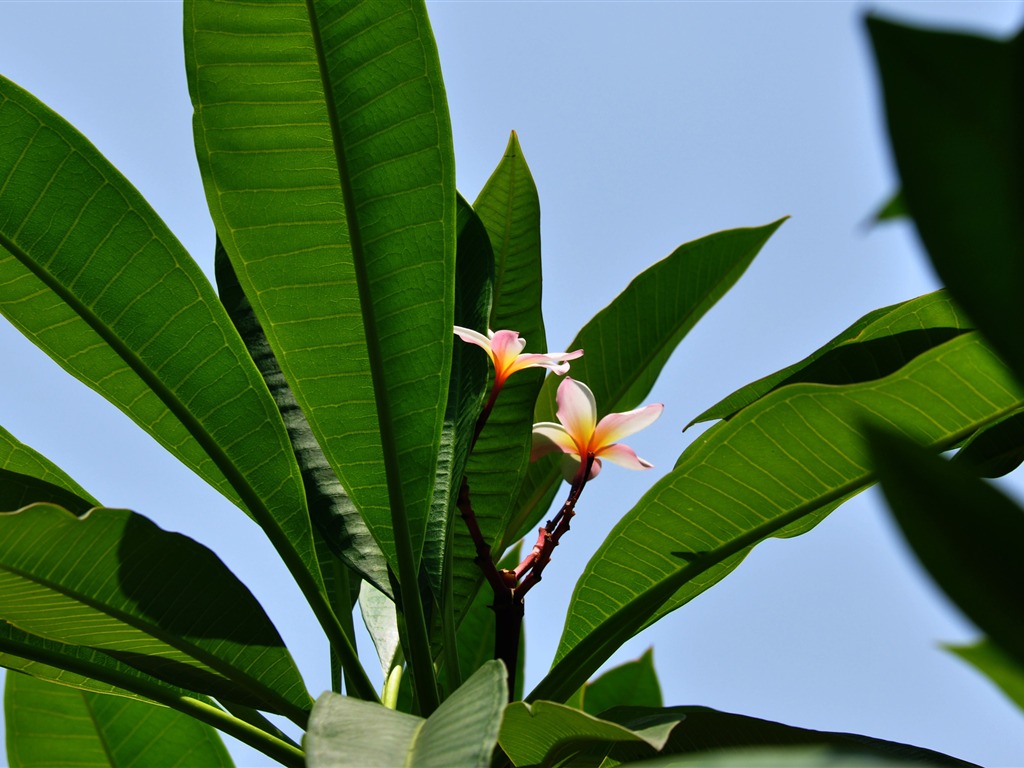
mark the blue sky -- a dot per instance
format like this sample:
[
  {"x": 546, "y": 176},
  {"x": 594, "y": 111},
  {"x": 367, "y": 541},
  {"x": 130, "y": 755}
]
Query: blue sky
[{"x": 646, "y": 125}]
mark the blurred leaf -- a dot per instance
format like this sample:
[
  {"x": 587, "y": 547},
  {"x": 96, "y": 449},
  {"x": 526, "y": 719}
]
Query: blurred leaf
[
  {"x": 997, "y": 666},
  {"x": 776, "y": 468},
  {"x": 633, "y": 684},
  {"x": 546, "y": 733},
  {"x": 92, "y": 276},
  {"x": 995, "y": 451},
  {"x": 878, "y": 344},
  {"x": 329, "y": 174},
  {"x": 956, "y": 122},
  {"x": 966, "y": 533},
  {"x": 335, "y": 516},
  {"x": 51, "y": 725},
  {"x": 461, "y": 733},
  {"x": 893, "y": 208},
  {"x": 628, "y": 342},
  {"x": 509, "y": 207},
  {"x": 157, "y": 601}
]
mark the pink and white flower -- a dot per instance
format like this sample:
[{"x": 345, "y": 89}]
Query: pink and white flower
[
  {"x": 505, "y": 348},
  {"x": 579, "y": 435}
]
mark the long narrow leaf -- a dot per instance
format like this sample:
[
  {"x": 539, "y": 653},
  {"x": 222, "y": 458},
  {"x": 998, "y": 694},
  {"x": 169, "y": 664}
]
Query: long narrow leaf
[
  {"x": 878, "y": 344},
  {"x": 628, "y": 342},
  {"x": 784, "y": 461},
  {"x": 339, "y": 221}
]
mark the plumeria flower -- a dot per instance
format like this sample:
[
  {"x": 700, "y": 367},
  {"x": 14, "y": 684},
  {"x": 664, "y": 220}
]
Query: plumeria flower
[
  {"x": 580, "y": 435},
  {"x": 505, "y": 350}
]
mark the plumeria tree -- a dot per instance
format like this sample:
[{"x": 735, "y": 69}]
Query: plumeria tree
[{"x": 323, "y": 387}]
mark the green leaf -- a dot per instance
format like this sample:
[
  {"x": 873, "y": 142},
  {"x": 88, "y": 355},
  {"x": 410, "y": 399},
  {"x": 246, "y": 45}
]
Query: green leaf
[
  {"x": 998, "y": 667},
  {"x": 157, "y": 601},
  {"x": 777, "y": 467},
  {"x": 633, "y": 684},
  {"x": 546, "y": 733},
  {"x": 996, "y": 450},
  {"x": 94, "y": 671},
  {"x": 79, "y": 667},
  {"x": 966, "y": 533},
  {"x": 18, "y": 458},
  {"x": 92, "y": 276},
  {"x": 957, "y": 129},
  {"x": 813, "y": 756},
  {"x": 337, "y": 208},
  {"x": 51, "y": 725},
  {"x": 474, "y": 278},
  {"x": 628, "y": 342},
  {"x": 878, "y": 344},
  {"x": 381, "y": 622},
  {"x": 509, "y": 207},
  {"x": 335, "y": 516},
  {"x": 893, "y": 208},
  {"x": 704, "y": 731},
  {"x": 461, "y": 733}
]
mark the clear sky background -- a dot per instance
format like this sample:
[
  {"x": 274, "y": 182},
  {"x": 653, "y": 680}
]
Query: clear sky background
[{"x": 646, "y": 125}]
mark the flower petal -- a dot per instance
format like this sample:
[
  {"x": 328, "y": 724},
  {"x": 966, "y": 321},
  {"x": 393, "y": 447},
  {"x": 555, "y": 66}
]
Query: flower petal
[
  {"x": 616, "y": 426},
  {"x": 577, "y": 410},
  {"x": 473, "y": 337},
  {"x": 549, "y": 437},
  {"x": 554, "y": 361},
  {"x": 624, "y": 456}
]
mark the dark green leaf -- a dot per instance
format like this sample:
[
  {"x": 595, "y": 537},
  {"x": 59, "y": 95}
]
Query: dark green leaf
[
  {"x": 956, "y": 121},
  {"x": 893, "y": 208},
  {"x": 156, "y": 601},
  {"x": 546, "y": 733},
  {"x": 704, "y": 731},
  {"x": 876, "y": 345},
  {"x": 779, "y": 464},
  {"x": 965, "y": 532},
  {"x": 509, "y": 208},
  {"x": 52, "y": 725},
  {"x": 628, "y": 342},
  {"x": 995, "y": 451},
  {"x": 474, "y": 277},
  {"x": 335, "y": 516}
]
